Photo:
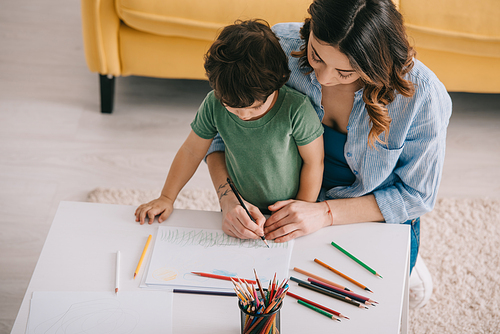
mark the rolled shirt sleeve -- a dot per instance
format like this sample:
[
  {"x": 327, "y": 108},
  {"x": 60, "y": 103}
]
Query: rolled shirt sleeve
[{"x": 418, "y": 170}]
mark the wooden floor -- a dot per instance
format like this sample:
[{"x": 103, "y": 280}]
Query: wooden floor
[{"x": 56, "y": 146}]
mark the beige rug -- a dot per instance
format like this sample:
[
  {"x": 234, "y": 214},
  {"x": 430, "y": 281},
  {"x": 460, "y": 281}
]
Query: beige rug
[{"x": 460, "y": 243}]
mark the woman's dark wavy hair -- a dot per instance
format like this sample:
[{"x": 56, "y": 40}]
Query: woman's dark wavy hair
[
  {"x": 246, "y": 64},
  {"x": 372, "y": 36}
]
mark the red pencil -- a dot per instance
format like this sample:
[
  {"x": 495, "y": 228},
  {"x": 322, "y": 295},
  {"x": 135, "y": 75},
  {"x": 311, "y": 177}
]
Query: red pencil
[
  {"x": 338, "y": 314},
  {"x": 353, "y": 295},
  {"x": 226, "y": 278}
]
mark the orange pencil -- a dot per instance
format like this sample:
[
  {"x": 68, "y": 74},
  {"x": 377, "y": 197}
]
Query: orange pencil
[
  {"x": 142, "y": 256},
  {"x": 342, "y": 275},
  {"x": 320, "y": 279}
]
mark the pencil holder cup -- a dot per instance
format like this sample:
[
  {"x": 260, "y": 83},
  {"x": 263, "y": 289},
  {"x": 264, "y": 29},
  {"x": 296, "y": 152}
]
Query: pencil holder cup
[{"x": 253, "y": 322}]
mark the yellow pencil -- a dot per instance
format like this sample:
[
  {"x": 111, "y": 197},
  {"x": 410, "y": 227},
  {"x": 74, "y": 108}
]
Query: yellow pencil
[{"x": 142, "y": 256}]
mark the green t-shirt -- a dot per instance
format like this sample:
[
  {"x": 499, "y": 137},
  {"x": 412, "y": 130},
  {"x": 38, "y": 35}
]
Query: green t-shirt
[{"x": 262, "y": 157}]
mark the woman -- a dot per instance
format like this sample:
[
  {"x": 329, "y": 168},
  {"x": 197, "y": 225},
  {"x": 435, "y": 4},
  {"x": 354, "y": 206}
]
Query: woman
[{"x": 385, "y": 117}]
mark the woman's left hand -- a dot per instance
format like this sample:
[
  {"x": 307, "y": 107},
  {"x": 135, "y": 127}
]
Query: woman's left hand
[{"x": 293, "y": 218}]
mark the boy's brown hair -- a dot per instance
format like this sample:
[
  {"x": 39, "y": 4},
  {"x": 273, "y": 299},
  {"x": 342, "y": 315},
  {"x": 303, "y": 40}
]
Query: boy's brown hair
[{"x": 246, "y": 64}]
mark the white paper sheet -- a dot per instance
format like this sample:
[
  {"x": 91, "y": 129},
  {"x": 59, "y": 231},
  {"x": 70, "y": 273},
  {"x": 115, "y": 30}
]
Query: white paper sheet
[
  {"x": 128, "y": 312},
  {"x": 179, "y": 251}
]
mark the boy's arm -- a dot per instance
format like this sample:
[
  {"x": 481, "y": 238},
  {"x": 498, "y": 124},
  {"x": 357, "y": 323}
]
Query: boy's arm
[
  {"x": 311, "y": 174},
  {"x": 183, "y": 167},
  {"x": 235, "y": 221}
]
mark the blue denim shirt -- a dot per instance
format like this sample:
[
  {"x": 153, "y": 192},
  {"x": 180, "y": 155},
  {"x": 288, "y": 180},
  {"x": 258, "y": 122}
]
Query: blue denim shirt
[{"x": 403, "y": 175}]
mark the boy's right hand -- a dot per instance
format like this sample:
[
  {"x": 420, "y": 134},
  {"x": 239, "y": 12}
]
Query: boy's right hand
[
  {"x": 162, "y": 206},
  {"x": 235, "y": 220}
]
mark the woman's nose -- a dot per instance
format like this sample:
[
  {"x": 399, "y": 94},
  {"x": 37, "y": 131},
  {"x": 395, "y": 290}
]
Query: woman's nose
[{"x": 325, "y": 76}]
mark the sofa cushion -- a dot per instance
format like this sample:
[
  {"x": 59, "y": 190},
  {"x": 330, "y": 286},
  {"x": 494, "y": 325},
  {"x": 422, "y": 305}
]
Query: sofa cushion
[
  {"x": 468, "y": 27},
  {"x": 202, "y": 19}
]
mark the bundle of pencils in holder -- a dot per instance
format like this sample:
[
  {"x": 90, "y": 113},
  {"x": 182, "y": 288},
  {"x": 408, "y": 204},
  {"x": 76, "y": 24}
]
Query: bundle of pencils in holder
[{"x": 260, "y": 308}]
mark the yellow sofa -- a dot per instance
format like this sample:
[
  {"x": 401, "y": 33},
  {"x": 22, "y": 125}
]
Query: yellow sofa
[
  {"x": 165, "y": 39},
  {"x": 458, "y": 39}
]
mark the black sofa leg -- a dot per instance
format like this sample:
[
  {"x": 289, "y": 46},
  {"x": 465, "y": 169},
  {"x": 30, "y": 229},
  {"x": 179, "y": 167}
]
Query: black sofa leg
[{"x": 107, "y": 84}]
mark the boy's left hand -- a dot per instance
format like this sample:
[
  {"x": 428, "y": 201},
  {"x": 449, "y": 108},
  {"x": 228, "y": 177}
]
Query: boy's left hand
[{"x": 161, "y": 207}]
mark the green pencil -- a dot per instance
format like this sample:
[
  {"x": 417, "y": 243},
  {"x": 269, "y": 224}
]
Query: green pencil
[
  {"x": 355, "y": 259},
  {"x": 320, "y": 311}
]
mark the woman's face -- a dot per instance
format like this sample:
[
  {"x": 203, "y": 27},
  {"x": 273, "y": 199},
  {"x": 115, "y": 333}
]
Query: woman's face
[{"x": 329, "y": 64}]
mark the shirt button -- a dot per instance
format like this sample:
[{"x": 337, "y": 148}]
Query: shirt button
[
  {"x": 349, "y": 154},
  {"x": 355, "y": 172},
  {"x": 348, "y": 128}
]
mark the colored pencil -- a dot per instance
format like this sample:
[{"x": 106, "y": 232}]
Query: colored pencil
[
  {"x": 226, "y": 278},
  {"x": 352, "y": 295},
  {"x": 267, "y": 304},
  {"x": 317, "y": 309},
  {"x": 320, "y": 278},
  {"x": 342, "y": 275},
  {"x": 240, "y": 292},
  {"x": 142, "y": 256},
  {"x": 237, "y": 194},
  {"x": 260, "y": 285},
  {"x": 203, "y": 292},
  {"x": 332, "y": 294},
  {"x": 117, "y": 274},
  {"x": 273, "y": 287},
  {"x": 268, "y": 309},
  {"x": 246, "y": 286},
  {"x": 317, "y": 305},
  {"x": 333, "y": 289},
  {"x": 358, "y": 261}
]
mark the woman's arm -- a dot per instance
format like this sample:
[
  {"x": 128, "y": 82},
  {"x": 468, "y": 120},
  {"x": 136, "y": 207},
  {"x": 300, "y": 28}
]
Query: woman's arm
[
  {"x": 235, "y": 221},
  {"x": 311, "y": 174},
  {"x": 292, "y": 218}
]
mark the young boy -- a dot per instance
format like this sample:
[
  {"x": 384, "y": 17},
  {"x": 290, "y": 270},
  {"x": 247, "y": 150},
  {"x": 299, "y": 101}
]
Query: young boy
[{"x": 272, "y": 135}]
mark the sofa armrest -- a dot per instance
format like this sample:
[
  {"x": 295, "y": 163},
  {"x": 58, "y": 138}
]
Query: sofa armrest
[{"x": 100, "y": 25}]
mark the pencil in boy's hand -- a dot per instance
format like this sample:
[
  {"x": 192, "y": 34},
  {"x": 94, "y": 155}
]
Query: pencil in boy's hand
[{"x": 237, "y": 194}]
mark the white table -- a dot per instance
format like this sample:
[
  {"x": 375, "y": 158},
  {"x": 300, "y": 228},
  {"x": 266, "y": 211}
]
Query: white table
[{"x": 79, "y": 255}]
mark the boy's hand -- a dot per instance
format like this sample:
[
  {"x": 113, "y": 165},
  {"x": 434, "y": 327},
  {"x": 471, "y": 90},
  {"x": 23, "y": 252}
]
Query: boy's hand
[
  {"x": 162, "y": 206},
  {"x": 235, "y": 220}
]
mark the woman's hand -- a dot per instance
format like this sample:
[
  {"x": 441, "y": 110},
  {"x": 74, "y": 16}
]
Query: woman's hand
[
  {"x": 293, "y": 218},
  {"x": 162, "y": 206},
  {"x": 235, "y": 220}
]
